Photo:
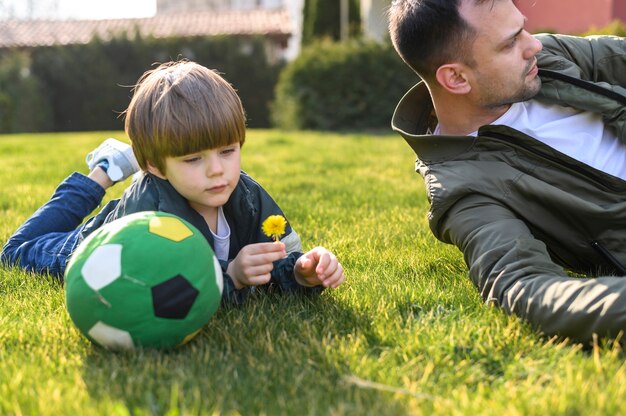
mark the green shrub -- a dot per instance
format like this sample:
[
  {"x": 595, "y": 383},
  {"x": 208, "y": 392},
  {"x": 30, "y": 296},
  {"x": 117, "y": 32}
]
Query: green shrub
[
  {"x": 80, "y": 82},
  {"x": 616, "y": 27},
  {"x": 23, "y": 107},
  {"x": 86, "y": 87},
  {"x": 322, "y": 19},
  {"x": 341, "y": 86}
]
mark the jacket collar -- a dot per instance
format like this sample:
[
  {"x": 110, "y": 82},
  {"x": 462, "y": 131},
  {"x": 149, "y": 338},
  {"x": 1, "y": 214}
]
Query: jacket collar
[{"x": 414, "y": 118}]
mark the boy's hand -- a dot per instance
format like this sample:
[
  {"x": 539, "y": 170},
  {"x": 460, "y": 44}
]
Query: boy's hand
[
  {"x": 319, "y": 267},
  {"x": 253, "y": 264}
]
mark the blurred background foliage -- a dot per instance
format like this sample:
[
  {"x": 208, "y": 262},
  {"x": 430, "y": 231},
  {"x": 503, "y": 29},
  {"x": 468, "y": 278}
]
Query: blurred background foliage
[
  {"x": 616, "y": 28},
  {"x": 87, "y": 87},
  {"x": 321, "y": 19},
  {"x": 333, "y": 84},
  {"x": 351, "y": 85}
]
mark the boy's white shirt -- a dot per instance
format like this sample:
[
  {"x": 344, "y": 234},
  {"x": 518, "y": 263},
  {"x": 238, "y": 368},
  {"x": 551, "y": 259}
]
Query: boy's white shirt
[
  {"x": 579, "y": 134},
  {"x": 221, "y": 238},
  {"x": 292, "y": 242}
]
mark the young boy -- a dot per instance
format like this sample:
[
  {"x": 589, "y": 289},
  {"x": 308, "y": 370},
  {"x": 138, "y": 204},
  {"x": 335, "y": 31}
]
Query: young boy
[{"x": 187, "y": 126}]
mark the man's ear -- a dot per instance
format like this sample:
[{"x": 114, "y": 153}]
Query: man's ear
[
  {"x": 155, "y": 171},
  {"x": 453, "y": 78}
]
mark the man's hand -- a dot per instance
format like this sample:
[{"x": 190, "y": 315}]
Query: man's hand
[
  {"x": 319, "y": 267},
  {"x": 253, "y": 264}
]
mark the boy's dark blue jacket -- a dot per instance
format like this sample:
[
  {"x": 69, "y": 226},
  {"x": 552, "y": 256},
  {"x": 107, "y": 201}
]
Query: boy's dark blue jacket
[{"x": 248, "y": 206}]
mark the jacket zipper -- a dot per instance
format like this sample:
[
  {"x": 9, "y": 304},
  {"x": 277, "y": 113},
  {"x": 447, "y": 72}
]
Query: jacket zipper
[
  {"x": 589, "y": 86},
  {"x": 607, "y": 255},
  {"x": 595, "y": 244},
  {"x": 510, "y": 141}
]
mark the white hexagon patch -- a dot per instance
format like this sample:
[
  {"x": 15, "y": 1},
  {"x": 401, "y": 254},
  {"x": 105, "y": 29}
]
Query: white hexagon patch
[
  {"x": 103, "y": 266},
  {"x": 110, "y": 337},
  {"x": 218, "y": 274}
]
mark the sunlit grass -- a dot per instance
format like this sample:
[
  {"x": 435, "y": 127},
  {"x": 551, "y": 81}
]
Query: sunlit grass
[{"x": 406, "y": 334}]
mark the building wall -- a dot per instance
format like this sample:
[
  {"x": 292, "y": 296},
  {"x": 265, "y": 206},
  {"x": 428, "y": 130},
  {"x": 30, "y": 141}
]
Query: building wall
[
  {"x": 175, "y": 6},
  {"x": 570, "y": 16},
  {"x": 294, "y": 7},
  {"x": 374, "y": 18},
  {"x": 619, "y": 9},
  {"x": 296, "y": 11},
  {"x": 565, "y": 16},
  {"x": 181, "y": 6}
]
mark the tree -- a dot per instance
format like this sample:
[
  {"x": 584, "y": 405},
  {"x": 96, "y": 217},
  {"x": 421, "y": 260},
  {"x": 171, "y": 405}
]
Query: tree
[{"x": 322, "y": 19}]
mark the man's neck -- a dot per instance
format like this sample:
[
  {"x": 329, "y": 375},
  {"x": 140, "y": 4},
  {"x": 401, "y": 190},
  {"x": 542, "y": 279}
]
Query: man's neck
[{"x": 460, "y": 116}]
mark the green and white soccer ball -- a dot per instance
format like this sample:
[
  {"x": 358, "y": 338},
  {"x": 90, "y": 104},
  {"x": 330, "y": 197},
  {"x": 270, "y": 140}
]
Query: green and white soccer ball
[{"x": 149, "y": 280}]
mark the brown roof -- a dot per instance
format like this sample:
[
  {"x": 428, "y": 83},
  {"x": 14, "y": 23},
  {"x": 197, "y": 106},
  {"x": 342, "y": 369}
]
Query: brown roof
[{"x": 32, "y": 33}]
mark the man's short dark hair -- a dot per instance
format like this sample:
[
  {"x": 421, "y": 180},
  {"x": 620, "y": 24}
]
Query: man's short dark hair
[{"x": 430, "y": 33}]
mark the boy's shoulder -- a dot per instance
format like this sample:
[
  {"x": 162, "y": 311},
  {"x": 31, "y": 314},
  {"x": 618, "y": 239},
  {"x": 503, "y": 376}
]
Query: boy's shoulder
[
  {"x": 247, "y": 208},
  {"x": 248, "y": 187},
  {"x": 146, "y": 187},
  {"x": 249, "y": 197},
  {"x": 248, "y": 180},
  {"x": 150, "y": 193}
]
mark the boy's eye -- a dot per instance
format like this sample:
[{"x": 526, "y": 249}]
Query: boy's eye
[
  {"x": 227, "y": 150},
  {"x": 191, "y": 159}
]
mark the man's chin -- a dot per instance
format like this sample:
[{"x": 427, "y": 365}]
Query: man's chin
[{"x": 531, "y": 90}]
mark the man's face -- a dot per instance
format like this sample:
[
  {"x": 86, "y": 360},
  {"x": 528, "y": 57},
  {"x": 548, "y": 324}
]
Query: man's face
[{"x": 504, "y": 69}]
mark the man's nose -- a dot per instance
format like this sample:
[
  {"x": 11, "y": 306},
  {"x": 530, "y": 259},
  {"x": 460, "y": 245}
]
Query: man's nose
[{"x": 534, "y": 46}]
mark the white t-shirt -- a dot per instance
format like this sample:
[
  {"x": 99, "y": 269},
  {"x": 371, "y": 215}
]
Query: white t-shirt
[
  {"x": 579, "y": 134},
  {"x": 221, "y": 239}
]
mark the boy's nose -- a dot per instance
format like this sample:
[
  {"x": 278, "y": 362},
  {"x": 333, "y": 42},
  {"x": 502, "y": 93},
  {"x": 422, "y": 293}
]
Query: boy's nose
[{"x": 214, "y": 167}]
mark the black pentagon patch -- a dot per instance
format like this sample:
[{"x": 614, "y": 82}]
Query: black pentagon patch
[{"x": 173, "y": 298}]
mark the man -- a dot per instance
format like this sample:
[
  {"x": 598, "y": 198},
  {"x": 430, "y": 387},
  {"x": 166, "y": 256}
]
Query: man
[{"x": 521, "y": 141}]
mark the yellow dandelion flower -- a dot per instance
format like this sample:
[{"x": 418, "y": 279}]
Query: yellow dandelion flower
[{"x": 274, "y": 226}]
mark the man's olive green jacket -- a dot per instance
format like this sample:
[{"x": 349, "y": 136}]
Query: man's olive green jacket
[{"x": 523, "y": 213}]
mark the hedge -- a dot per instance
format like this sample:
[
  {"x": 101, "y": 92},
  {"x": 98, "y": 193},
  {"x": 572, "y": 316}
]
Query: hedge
[
  {"x": 322, "y": 19},
  {"x": 22, "y": 106},
  {"x": 341, "y": 86},
  {"x": 86, "y": 87}
]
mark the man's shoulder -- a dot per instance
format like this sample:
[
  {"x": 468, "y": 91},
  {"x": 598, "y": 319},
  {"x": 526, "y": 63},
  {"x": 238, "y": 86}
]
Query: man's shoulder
[{"x": 575, "y": 48}]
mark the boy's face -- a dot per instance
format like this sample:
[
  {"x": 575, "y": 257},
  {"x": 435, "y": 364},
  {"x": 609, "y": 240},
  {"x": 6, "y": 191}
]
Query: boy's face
[{"x": 207, "y": 178}]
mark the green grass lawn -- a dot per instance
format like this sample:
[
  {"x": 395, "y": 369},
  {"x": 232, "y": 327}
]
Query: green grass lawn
[{"x": 406, "y": 334}]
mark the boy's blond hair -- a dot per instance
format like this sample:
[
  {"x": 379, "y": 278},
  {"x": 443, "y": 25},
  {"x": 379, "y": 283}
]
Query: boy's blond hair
[{"x": 180, "y": 108}]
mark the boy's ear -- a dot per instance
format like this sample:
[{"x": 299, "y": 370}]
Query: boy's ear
[
  {"x": 453, "y": 78},
  {"x": 155, "y": 171}
]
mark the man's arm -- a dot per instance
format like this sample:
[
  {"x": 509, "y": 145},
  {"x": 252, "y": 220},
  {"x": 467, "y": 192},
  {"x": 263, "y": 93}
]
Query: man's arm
[
  {"x": 513, "y": 269},
  {"x": 600, "y": 59}
]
